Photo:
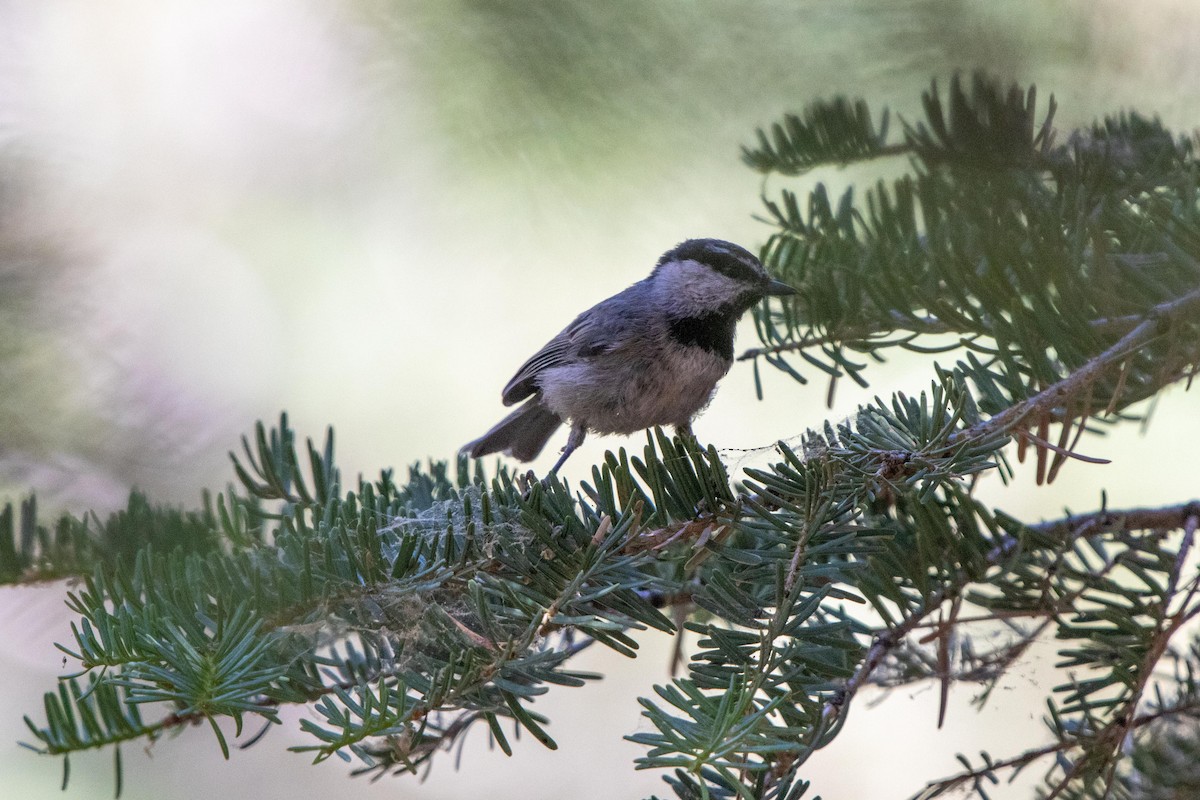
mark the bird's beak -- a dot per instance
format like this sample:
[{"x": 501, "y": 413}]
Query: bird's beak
[{"x": 779, "y": 288}]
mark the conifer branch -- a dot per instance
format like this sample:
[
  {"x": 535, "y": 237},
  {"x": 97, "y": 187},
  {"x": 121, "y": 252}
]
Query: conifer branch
[
  {"x": 1167, "y": 518},
  {"x": 987, "y": 772},
  {"x": 852, "y": 337},
  {"x": 1183, "y": 516},
  {"x": 1056, "y": 400}
]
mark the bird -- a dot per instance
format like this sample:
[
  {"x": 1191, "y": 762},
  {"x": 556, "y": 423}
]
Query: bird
[{"x": 649, "y": 355}]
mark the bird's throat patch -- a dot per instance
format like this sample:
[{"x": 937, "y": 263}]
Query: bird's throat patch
[{"x": 712, "y": 332}]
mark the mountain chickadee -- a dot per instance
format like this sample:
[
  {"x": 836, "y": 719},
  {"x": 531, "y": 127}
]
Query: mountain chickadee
[{"x": 651, "y": 355}]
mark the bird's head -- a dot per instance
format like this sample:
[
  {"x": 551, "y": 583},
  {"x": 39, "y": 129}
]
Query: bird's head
[{"x": 706, "y": 276}]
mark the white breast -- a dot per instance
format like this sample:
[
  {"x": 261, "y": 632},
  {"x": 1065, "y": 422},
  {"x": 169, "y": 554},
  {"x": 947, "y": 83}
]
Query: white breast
[{"x": 625, "y": 396}]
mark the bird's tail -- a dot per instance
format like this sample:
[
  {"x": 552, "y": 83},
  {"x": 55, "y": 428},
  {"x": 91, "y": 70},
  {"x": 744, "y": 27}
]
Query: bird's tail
[{"x": 522, "y": 434}]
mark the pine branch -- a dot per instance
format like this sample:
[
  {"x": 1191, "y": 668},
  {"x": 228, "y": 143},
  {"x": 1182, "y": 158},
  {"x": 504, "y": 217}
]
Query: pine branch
[
  {"x": 1175, "y": 517},
  {"x": 1184, "y": 516},
  {"x": 1031, "y": 258},
  {"x": 1061, "y": 397},
  {"x": 1100, "y": 747},
  {"x": 987, "y": 773},
  {"x": 827, "y": 132},
  {"x": 864, "y": 337}
]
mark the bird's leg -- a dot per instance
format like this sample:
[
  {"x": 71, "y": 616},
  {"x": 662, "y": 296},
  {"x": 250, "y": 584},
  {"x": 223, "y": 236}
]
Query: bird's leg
[
  {"x": 684, "y": 431},
  {"x": 578, "y": 433}
]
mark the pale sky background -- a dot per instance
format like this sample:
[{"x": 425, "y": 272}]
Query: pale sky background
[{"x": 370, "y": 213}]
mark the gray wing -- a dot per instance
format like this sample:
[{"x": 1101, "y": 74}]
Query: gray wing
[{"x": 582, "y": 339}]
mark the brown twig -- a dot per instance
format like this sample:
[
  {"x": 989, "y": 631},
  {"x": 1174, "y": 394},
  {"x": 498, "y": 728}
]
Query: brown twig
[{"x": 1130, "y": 519}]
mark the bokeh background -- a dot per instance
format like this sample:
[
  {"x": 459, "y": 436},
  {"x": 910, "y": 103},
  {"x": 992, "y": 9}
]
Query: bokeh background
[{"x": 369, "y": 212}]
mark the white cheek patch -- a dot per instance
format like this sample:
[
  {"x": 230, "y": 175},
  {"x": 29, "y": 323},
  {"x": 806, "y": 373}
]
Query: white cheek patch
[{"x": 689, "y": 287}]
